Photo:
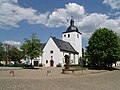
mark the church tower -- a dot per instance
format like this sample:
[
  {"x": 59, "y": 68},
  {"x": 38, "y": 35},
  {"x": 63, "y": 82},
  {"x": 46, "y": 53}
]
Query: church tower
[{"x": 74, "y": 37}]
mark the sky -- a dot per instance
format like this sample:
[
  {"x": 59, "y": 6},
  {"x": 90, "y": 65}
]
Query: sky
[{"x": 19, "y": 19}]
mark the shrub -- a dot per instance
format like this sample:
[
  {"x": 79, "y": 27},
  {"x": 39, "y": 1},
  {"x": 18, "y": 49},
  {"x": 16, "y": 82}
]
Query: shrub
[
  {"x": 25, "y": 66},
  {"x": 59, "y": 65},
  {"x": 15, "y": 65},
  {"x": 75, "y": 66},
  {"x": 40, "y": 65},
  {"x": 1, "y": 65}
]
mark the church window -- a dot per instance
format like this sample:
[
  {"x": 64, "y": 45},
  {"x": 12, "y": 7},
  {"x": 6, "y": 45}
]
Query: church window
[
  {"x": 51, "y": 57},
  {"x": 46, "y": 61},
  {"x": 77, "y": 35},
  {"x": 64, "y": 35},
  {"x": 51, "y": 52},
  {"x": 68, "y": 35},
  {"x": 74, "y": 58}
]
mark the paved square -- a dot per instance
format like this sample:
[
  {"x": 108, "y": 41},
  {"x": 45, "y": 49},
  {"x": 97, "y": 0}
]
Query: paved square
[{"x": 38, "y": 80}]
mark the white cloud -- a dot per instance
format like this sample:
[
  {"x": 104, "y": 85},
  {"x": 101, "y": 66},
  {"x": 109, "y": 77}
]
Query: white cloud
[
  {"x": 11, "y": 14},
  {"x": 115, "y": 14},
  {"x": 112, "y": 24},
  {"x": 86, "y": 35},
  {"x": 87, "y": 24},
  {"x": 60, "y": 16},
  {"x": 115, "y": 4},
  {"x": 57, "y": 18},
  {"x": 75, "y": 10},
  {"x": 11, "y": 42},
  {"x": 91, "y": 22}
]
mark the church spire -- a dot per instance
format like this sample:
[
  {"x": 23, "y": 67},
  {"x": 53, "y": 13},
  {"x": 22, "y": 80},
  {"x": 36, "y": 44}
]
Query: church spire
[
  {"x": 72, "y": 27},
  {"x": 71, "y": 21}
]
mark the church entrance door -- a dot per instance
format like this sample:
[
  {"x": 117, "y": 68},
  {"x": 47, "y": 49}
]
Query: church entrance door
[
  {"x": 35, "y": 63},
  {"x": 51, "y": 63}
]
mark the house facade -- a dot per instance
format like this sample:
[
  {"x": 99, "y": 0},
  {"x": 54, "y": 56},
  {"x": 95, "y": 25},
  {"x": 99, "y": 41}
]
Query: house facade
[{"x": 55, "y": 49}]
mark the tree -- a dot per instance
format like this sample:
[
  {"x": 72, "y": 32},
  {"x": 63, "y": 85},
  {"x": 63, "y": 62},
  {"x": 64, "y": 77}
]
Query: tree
[
  {"x": 83, "y": 53},
  {"x": 9, "y": 53},
  {"x": 103, "y": 48},
  {"x": 7, "y": 48},
  {"x": 82, "y": 60},
  {"x": 15, "y": 54},
  {"x": 1, "y": 52},
  {"x": 31, "y": 48}
]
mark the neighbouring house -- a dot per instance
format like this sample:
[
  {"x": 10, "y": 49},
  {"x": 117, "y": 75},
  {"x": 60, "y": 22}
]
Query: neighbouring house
[{"x": 55, "y": 49}]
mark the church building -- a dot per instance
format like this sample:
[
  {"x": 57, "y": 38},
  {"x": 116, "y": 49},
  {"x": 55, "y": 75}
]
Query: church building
[{"x": 55, "y": 49}]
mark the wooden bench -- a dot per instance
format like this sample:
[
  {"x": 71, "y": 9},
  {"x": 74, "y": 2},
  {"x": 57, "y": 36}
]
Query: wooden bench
[{"x": 76, "y": 69}]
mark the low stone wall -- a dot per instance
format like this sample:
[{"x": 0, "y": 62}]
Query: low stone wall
[{"x": 9, "y": 68}]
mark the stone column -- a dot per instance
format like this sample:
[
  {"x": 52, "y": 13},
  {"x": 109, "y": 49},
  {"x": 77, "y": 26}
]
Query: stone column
[{"x": 67, "y": 61}]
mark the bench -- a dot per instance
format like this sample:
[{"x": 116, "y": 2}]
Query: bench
[{"x": 76, "y": 69}]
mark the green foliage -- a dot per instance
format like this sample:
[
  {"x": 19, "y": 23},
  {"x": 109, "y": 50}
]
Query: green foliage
[
  {"x": 11, "y": 53},
  {"x": 31, "y": 47},
  {"x": 59, "y": 65},
  {"x": 83, "y": 53},
  {"x": 25, "y": 66},
  {"x": 15, "y": 54},
  {"x": 2, "y": 51},
  {"x": 82, "y": 62},
  {"x": 1, "y": 65},
  {"x": 75, "y": 66},
  {"x": 103, "y": 48},
  {"x": 7, "y": 49}
]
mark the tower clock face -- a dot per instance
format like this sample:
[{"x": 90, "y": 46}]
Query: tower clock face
[{"x": 73, "y": 28}]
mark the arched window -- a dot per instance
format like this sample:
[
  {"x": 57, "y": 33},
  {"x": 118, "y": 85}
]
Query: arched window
[
  {"x": 77, "y": 35},
  {"x": 68, "y": 35}
]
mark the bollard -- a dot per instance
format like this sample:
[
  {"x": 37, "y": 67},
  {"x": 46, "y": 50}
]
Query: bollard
[
  {"x": 12, "y": 73},
  {"x": 48, "y": 72}
]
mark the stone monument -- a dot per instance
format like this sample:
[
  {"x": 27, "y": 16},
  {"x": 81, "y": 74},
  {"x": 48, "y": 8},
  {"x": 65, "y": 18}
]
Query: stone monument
[{"x": 67, "y": 62}]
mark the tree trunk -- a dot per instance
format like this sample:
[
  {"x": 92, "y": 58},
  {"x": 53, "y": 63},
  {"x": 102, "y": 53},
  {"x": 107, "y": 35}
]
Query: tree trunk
[
  {"x": 115, "y": 64},
  {"x": 31, "y": 62}
]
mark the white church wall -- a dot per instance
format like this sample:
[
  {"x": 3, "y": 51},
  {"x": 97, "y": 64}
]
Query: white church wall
[
  {"x": 47, "y": 55},
  {"x": 76, "y": 58},
  {"x": 41, "y": 59},
  {"x": 62, "y": 58},
  {"x": 80, "y": 48},
  {"x": 73, "y": 58},
  {"x": 117, "y": 64}
]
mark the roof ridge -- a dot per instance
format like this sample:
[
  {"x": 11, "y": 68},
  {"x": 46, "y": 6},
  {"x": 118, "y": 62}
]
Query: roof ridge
[{"x": 59, "y": 39}]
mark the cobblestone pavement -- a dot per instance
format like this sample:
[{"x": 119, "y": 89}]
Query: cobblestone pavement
[{"x": 109, "y": 80}]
